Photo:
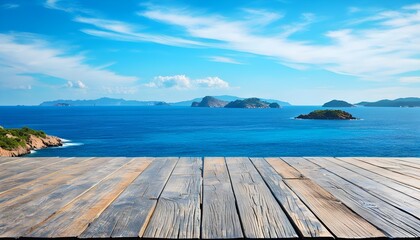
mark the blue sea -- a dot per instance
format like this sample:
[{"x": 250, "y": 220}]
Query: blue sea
[{"x": 185, "y": 131}]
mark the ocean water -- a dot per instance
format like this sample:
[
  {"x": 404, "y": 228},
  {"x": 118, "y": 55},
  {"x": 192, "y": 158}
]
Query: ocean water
[{"x": 184, "y": 131}]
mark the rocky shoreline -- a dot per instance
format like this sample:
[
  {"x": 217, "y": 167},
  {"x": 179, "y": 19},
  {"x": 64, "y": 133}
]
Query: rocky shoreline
[{"x": 33, "y": 142}]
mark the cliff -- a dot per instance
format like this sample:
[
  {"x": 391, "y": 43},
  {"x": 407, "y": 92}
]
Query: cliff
[
  {"x": 209, "y": 101},
  {"x": 18, "y": 142}
]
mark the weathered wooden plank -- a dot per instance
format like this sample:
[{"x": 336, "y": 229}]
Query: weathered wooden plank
[
  {"x": 304, "y": 220},
  {"x": 16, "y": 167},
  {"x": 130, "y": 213},
  {"x": 261, "y": 215},
  {"x": 415, "y": 162},
  {"x": 220, "y": 217},
  {"x": 361, "y": 168},
  {"x": 28, "y": 176},
  {"x": 392, "y": 221},
  {"x": 284, "y": 169},
  {"x": 393, "y": 175},
  {"x": 394, "y": 170},
  {"x": 389, "y": 195},
  {"x": 395, "y": 165},
  {"x": 407, "y": 163},
  {"x": 7, "y": 159},
  {"x": 72, "y": 220},
  {"x": 45, "y": 184},
  {"x": 178, "y": 212},
  {"x": 19, "y": 217},
  {"x": 339, "y": 219}
]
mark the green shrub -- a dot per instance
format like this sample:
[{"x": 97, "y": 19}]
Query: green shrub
[{"x": 21, "y": 137}]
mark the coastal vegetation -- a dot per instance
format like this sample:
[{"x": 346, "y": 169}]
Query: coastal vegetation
[
  {"x": 327, "y": 115},
  {"x": 20, "y": 141}
]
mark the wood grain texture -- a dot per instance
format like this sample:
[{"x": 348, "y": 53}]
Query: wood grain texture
[
  {"x": 178, "y": 212},
  {"x": 28, "y": 214},
  {"x": 7, "y": 159},
  {"x": 220, "y": 217},
  {"x": 392, "y": 221},
  {"x": 362, "y": 168},
  {"x": 13, "y": 168},
  {"x": 285, "y": 170},
  {"x": 393, "y": 165},
  {"x": 261, "y": 215},
  {"x": 45, "y": 184},
  {"x": 72, "y": 220},
  {"x": 412, "y": 162},
  {"x": 337, "y": 217},
  {"x": 33, "y": 174},
  {"x": 389, "y": 195},
  {"x": 393, "y": 175},
  {"x": 129, "y": 214},
  {"x": 306, "y": 222}
]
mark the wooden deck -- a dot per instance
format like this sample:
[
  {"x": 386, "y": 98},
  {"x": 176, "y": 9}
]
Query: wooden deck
[{"x": 210, "y": 198}]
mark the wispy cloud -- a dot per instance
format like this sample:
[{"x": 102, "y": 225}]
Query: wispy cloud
[
  {"x": 388, "y": 48},
  {"x": 184, "y": 82},
  {"x": 411, "y": 79},
  {"x": 121, "y": 31},
  {"x": 9, "y": 6},
  {"x": 23, "y": 56},
  {"x": 223, "y": 59},
  {"x": 66, "y": 6}
]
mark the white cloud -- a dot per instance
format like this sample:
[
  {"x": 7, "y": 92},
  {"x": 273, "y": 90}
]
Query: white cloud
[
  {"x": 78, "y": 84},
  {"x": 177, "y": 81},
  {"x": 388, "y": 48},
  {"x": 184, "y": 82},
  {"x": 10, "y": 6},
  {"x": 24, "y": 56},
  {"x": 212, "y": 82},
  {"x": 223, "y": 59},
  {"x": 412, "y": 79}
]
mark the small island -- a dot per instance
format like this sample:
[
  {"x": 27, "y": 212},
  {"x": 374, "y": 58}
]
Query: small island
[
  {"x": 209, "y": 101},
  {"x": 17, "y": 142},
  {"x": 337, "y": 104},
  {"x": 251, "y": 103},
  {"x": 327, "y": 115}
]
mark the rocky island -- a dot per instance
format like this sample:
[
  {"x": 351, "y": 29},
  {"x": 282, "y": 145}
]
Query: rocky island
[
  {"x": 337, "y": 104},
  {"x": 251, "y": 103},
  {"x": 399, "y": 102},
  {"x": 18, "y": 142},
  {"x": 209, "y": 101},
  {"x": 327, "y": 115}
]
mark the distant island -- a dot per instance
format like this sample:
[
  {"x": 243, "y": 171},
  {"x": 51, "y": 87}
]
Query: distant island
[
  {"x": 337, "y": 104},
  {"x": 209, "y": 101},
  {"x": 399, "y": 102},
  {"x": 103, "y": 102},
  {"x": 251, "y": 103},
  {"x": 17, "y": 142},
  {"x": 327, "y": 115},
  {"x": 227, "y": 98},
  {"x": 213, "y": 102}
]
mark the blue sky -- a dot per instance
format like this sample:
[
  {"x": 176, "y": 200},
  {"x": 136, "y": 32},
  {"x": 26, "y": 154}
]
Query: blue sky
[{"x": 295, "y": 51}]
